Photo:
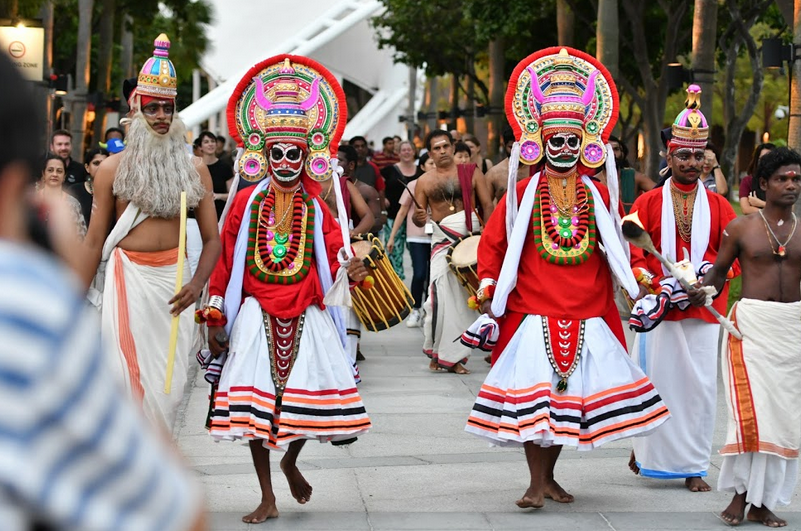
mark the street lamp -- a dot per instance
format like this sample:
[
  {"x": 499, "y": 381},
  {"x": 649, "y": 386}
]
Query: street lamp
[{"x": 775, "y": 53}]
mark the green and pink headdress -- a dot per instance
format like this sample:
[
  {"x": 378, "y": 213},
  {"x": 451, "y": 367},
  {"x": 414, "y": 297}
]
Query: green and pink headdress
[
  {"x": 690, "y": 129},
  {"x": 287, "y": 98},
  {"x": 561, "y": 89}
]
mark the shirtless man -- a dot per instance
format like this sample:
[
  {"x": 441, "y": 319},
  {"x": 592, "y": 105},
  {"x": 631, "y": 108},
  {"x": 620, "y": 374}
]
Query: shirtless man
[
  {"x": 440, "y": 190},
  {"x": 362, "y": 196},
  {"x": 761, "y": 371},
  {"x": 498, "y": 176},
  {"x": 139, "y": 192}
]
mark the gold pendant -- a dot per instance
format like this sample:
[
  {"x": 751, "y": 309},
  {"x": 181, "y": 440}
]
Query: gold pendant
[{"x": 451, "y": 208}]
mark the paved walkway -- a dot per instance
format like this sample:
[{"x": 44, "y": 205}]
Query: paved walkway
[{"x": 419, "y": 470}]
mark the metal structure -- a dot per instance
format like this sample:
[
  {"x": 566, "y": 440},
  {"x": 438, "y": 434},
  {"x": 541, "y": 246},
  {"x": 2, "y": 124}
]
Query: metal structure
[{"x": 337, "y": 34}]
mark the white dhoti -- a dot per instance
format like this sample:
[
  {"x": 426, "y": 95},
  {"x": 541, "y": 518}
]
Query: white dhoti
[
  {"x": 354, "y": 332},
  {"x": 761, "y": 377},
  {"x": 315, "y": 399},
  {"x": 447, "y": 314},
  {"x": 680, "y": 358},
  {"x": 607, "y": 396},
  {"x": 136, "y": 320}
]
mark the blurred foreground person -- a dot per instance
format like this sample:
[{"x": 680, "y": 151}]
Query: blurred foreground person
[
  {"x": 761, "y": 371},
  {"x": 76, "y": 455},
  {"x": 139, "y": 192}
]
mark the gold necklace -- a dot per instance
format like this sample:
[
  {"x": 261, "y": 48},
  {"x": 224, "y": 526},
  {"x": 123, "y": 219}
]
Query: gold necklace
[
  {"x": 782, "y": 250},
  {"x": 565, "y": 200},
  {"x": 284, "y": 201},
  {"x": 683, "y": 213}
]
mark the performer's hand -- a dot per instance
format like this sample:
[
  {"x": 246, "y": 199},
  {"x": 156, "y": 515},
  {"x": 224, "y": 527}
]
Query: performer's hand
[
  {"x": 486, "y": 307},
  {"x": 420, "y": 217},
  {"x": 356, "y": 270},
  {"x": 696, "y": 295},
  {"x": 390, "y": 244},
  {"x": 216, "y": 346},
  {"x": 185, "y": 298}
]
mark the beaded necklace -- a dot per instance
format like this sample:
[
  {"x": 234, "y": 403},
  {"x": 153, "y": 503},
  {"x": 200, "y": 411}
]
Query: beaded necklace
[
  {"x": 277, "y": 256},
  {"x": 564, "y": 239},
  {"x": 683, "y": 205}
]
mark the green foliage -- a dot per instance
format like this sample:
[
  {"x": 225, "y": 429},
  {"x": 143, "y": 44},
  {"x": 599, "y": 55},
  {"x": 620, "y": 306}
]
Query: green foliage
[{"x": 184, "y": 21}]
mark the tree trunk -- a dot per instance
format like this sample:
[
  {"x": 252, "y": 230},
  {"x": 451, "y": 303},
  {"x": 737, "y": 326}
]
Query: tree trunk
[
  {"x": 104, "y": 60},
  {"x": 430, "y": 105},
  {"x": 470, "y": 106},
  {"x": 794, "y": 133},
  {"x": 607, "y": 36},
  {"x": 409, "y": 108},
  {"x": 82, "y": 72},
  {"x": 497, "y": 64},
  {"x": 705, "y": 23},
  {"x": 565, "y": 23},
  {"x": 46, "y": 14},
  {"x": 126, "y": 53},
  {"x": 786, "y": 8},
  {"x": 454, "y": 99}
]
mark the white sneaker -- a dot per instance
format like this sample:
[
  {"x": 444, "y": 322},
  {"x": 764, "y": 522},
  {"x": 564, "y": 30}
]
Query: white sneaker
[{"x": 415, "y": 319}]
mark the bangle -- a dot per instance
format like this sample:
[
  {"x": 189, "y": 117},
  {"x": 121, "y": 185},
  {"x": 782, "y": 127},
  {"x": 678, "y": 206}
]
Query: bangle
[
  {"x": 716, "y": 168},
  {"x": 215, "y": 301}
]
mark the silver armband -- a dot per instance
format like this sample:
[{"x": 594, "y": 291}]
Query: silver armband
[{"x": 215, "y": 301}]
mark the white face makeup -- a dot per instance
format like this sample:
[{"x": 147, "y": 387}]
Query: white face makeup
[
  {"x": 286, "y": 161},
  {"x": 562, "y": 150}
]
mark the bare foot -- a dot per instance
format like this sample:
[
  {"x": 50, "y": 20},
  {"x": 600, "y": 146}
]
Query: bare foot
[
  {"x": 265, "y": 510},
  {"x": 696, "y": 484},
  {"x": 300, "y": 488},
  {"x": 733, "y": 514},
  {"x": 765, "y": 516},
  {"x": 433, "y": 366},
  {"x": 459, "y": 369},
  {"x": 554, "y": 491},
  {"x": 488, "y": 359},
  {"x": 531, "y": 500},
  {"x": 633, "y": 464}
]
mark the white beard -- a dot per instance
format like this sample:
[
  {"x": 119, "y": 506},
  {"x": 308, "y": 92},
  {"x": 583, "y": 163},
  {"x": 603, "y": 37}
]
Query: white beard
[{"x": 155, "y": 169}]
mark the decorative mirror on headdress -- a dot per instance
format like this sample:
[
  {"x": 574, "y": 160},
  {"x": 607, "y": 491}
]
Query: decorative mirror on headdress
[
  {"x": 562, "y": 89},
  {"x": 287, "y": 98}
]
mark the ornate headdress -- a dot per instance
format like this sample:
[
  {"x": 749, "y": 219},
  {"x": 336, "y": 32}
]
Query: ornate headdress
[
  {"x": 561, "y": 89},
  {"x": 287, "y": 98},
  {"x": 157, "y": 77},
  {"x": 690, "y": 129}
]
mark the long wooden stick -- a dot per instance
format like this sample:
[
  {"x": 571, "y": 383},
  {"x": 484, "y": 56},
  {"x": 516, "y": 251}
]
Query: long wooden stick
[{"x": 179, "y": 284}]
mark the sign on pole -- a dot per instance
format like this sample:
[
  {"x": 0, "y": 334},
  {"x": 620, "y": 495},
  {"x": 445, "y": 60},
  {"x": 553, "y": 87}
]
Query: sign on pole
[{"x": 25, "y": 47}]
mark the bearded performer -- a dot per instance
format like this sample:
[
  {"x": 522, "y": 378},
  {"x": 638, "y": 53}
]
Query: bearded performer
[
  {"x": 561, "y": 373},
  {"x": 139, "y": 192},
  {"x": 680, "y": 355},
  {"x": 286, "y": 377}
]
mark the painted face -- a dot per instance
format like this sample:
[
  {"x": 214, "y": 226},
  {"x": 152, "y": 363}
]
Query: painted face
[
  {"x": 562, "y": 150},
  {"x": 686, "y": 164},
  {"x": 158, "y": 114},
  {"x": 286, "y": 161}
]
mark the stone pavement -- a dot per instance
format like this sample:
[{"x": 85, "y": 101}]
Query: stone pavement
[{"x": 417, "y": 469}]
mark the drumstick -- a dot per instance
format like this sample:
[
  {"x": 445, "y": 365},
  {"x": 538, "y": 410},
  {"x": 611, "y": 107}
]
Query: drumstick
[
  {"x": 411, "y": 194},
  {"x": 179, "y": 278}
]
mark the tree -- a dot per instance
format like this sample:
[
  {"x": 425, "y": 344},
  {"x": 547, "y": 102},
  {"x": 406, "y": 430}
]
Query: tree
[
  {"x": 82, "y": 76},
  {"x": 705, "y": 25},
  {"x": 743, "y": 14},
  {"x": 607, "y": 36}
]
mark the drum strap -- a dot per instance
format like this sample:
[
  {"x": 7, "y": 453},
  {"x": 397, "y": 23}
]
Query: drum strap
[{"x": 465, "y": 173}]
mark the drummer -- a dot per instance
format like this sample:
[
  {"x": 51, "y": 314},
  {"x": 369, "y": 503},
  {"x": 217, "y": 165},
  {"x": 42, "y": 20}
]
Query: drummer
[{"x": 450, "y": 191}]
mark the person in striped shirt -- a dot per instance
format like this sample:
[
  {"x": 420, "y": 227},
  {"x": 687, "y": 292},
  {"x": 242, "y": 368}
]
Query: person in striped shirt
[{"x": 74, "y": 453}]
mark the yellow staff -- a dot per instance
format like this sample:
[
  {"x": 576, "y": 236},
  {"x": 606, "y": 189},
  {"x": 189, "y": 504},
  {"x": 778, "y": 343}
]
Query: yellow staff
[{"x": 179, "y": 282}]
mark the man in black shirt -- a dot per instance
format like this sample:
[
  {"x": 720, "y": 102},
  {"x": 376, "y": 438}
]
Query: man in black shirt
[{"x": 61, "y": 145}]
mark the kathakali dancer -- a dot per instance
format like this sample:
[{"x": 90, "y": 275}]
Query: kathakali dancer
[
  {"x": 134, "y": 237},
  {"x": 683, "y": 219},
  {"x": 761, "y": 372},
  {"x": 286, "y": 377},
  {"x": 561, "y": 375}
]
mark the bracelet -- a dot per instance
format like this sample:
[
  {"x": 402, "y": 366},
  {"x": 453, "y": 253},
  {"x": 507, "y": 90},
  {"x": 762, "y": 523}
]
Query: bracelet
[
  {"x": 211, "y": 316},
  {"x": 215, "y": 301},
  {"x": 716, "y": 168}
]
